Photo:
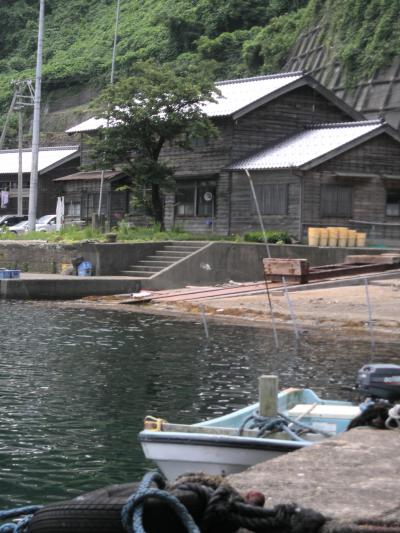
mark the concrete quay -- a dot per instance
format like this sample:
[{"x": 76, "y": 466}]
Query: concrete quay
[
  {"x": 351, "y": 478},
  {"x": 59, "y": 287}
]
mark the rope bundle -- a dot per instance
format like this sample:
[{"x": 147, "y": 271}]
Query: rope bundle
[{"x": 225, "y": 511}]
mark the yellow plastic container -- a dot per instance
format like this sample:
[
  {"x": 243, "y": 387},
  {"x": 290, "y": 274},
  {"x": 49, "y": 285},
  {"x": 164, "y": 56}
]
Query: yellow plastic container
[
  {"x": 342, "y": 240},
  {"x": 333, "y": 236},
  {"x": 351, "y": 238},
  {"x": 323, "y": 237},
  {"x": 313, "y": 236},
  {"x": 360, "y": 239}
]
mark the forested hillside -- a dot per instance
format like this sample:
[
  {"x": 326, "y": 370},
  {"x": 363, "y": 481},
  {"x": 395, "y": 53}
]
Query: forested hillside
[{"x": 238, "y": 37}]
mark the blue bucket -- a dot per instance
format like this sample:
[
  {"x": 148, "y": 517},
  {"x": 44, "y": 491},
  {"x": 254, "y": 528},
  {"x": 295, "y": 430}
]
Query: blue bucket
[{"x": 85, "y": 269}]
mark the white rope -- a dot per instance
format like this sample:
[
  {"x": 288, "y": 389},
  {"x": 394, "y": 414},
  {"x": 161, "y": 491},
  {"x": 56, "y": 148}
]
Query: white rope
[{"x": 393, "y": 418}]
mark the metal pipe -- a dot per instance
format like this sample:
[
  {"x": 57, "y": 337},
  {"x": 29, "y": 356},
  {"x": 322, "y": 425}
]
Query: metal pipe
[
  {"x": 204, "y": 320},
  {"x": 114, "y": 53},
  {"x": 33, "y": 187},
  {"x": 258, "y": 212},
  {"x": 291, "y": 309},
  {"x": 271, "y": 310},
  {"x": 370, "y": 321},
  {"x": 115, "y": 41}
]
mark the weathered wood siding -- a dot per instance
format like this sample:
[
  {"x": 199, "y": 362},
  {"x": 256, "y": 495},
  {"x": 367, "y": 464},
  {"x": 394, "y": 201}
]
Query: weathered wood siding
[
  {"x": 265, "y": 125},
  {"x": 377, "y": 156},
  {"x": 204, "y": 159},
  {"x": 282, "y": 118},
  {"x": 243, "y": 215}
]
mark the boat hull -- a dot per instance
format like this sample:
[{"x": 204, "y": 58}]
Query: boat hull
[{"x": 214, "y": 454}]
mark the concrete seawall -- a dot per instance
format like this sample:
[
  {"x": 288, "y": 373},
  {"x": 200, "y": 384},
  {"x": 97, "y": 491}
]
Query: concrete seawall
[
  {"x": 355, "y": 477},
  {"x": 56, "y": 287}
]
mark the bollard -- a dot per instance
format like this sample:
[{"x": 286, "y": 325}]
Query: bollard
[{"x": 268, "y": 395}]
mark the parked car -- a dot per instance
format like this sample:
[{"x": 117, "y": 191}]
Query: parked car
[
  {"x": 6, "y": 221},
  {"x": 44, "y": 223},
  {"x": 21, "y": 227}
]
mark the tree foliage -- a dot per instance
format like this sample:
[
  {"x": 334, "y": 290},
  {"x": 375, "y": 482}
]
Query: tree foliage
[
  {"x": 157, "y": 105},
  {"x": 243, "y": 37}
]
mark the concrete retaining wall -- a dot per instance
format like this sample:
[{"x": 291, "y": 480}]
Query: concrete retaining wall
[
  {"x": 221, "y": 262},
  {"x": 40, "y": 256}
]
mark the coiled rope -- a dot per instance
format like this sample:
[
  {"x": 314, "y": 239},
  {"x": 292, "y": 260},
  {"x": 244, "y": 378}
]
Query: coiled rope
[
  {"x": 20, "y": 526},
  {"x": 132, "y": 511},
  {"x": 266, "y": 425}
]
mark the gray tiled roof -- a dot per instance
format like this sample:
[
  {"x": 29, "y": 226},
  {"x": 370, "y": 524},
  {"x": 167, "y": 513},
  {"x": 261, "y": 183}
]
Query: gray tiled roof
[
  {"x": 48, "y": 157},
  {"x": 310, "y": 145},
  {"x": 238, "y": 94},
  {"x": 234, "y": 96}
]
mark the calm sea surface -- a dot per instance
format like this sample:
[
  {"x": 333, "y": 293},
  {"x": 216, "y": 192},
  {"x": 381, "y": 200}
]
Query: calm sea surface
[{"x": 76, "y": 384}]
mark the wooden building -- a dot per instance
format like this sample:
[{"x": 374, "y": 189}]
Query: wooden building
[
  {"x": 52, "y": 163},
  {"x": 81, "y": 193},
  {"x": 314, "y": 161}
]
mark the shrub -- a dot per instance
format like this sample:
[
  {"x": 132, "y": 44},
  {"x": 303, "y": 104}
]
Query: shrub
[{"x": 273, "y": 237}]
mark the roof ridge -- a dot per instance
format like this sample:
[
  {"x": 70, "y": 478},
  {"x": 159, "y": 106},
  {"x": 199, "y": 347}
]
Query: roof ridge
[
  {"x": 347, "y": 124},
  {"x": 42, "y": 149},
  {"x": 265, "y": 77}
]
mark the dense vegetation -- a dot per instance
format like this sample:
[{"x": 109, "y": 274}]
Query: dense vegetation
[{"x": 239, "y": 37}]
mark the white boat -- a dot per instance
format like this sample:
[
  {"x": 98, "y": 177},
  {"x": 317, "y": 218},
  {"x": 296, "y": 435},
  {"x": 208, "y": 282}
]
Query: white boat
[{"x": 224, "y": 446}]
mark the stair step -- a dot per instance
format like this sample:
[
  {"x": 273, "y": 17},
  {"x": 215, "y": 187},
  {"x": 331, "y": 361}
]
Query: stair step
[
  {"x": 163, "y": 258},
  {"x": 155, "y": 262},
  {"x": 145, "y": 268},
  {"x": 172, "y": 252},
  {"x": 182, "y": 248},
  {"x": 137, "y": 273}
]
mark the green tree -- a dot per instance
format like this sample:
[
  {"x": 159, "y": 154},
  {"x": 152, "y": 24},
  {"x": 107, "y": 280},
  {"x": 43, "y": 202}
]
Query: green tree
[{"x": 157, "y": 105}]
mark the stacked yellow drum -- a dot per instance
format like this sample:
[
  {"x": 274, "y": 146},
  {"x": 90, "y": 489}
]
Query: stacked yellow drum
[{"x": 334, "y": 236}]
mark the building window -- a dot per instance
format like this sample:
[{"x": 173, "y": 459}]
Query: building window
[
  {"x": 73, "y": 209},
  {"x": 272, "y": 199},
  {"x": 195, "y": 199},
  {"x": 393, "y": 203},
  {"x": 336, "y": 201}
]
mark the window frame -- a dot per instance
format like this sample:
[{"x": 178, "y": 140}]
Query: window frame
[
  {"x": 392, "y": 192},
  {"x": 195, "y": 185}
]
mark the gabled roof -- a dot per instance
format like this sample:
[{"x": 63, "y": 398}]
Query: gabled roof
[
  {"x": 93, "y": 175},
  {"x": 48, "y": 159},
  {"x": 240, "y": 96},
  {"x": 313, "y": 146}
]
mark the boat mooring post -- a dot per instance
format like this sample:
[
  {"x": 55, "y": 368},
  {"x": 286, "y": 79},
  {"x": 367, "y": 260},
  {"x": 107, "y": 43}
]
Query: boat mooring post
[{"x": 268, "y": 395}]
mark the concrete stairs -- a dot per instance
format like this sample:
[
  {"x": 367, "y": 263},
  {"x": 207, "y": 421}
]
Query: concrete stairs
[{"x": 162, "y": 259}]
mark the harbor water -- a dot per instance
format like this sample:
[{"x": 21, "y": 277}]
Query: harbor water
[{"x": 75, "y": 385}]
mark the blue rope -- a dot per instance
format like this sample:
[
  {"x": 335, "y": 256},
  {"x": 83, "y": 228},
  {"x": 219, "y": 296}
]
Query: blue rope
[
  {"x": 14, "y": 513},
  {"x": 132, "y": 512}
]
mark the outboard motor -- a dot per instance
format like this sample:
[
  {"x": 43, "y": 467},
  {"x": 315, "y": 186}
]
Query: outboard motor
[{"x": 380, "y": 381}]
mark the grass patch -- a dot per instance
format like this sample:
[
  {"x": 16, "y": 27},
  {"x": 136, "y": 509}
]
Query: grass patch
[{"x": 273, "y": 237}]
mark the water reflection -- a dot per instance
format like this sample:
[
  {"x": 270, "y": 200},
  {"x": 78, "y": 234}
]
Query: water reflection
[{"x": 76, "y": 384}]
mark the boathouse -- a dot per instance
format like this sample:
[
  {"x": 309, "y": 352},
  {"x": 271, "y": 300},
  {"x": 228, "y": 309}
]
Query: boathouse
[
  {"x": 314, "y": 161},
  {"x": 52, "y": 163}
]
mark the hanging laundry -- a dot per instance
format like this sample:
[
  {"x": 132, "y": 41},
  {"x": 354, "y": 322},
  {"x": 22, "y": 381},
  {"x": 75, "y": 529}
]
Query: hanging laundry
[{"x": 4, "y": 199}]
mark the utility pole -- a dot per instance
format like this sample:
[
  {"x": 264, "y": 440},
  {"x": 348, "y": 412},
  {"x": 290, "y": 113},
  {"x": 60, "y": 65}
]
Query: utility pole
[
  {"x": 33, "y": 188},
  {"x": 19, "y": 101},
  {"x": 112, "y": 82}
]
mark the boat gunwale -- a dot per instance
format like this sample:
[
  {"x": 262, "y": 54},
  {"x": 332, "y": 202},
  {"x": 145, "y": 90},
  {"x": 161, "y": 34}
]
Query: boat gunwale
[{"x": 228, "y": 441}]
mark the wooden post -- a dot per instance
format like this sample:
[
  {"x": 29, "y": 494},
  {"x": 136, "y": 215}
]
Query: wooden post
[{"x": 268, "y": 395}]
